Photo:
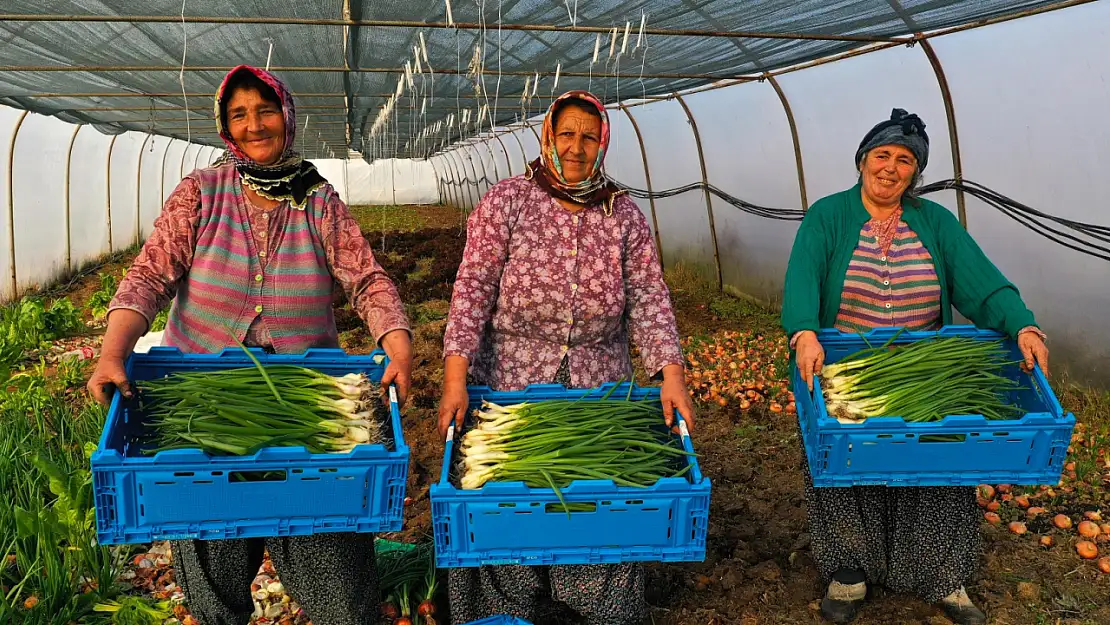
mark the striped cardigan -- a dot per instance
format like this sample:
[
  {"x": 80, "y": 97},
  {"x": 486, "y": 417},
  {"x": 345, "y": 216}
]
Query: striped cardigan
[
  {"x": 895, "y": 289},
  {"x": 226, "y": 289}
]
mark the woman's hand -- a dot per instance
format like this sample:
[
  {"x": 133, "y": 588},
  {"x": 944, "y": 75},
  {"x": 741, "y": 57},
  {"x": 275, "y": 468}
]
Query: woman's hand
[
  {"x": 452, "y": 407},
  {"x": 675, "y": 396},
  {"x": 809, "y": 355},
  {"x": 109, "y": 375},
  {"x": 125, "y": 326},
  {"x": 1033, "y": 350},
  {"x": 398, "y": 346},
  {"x": 455, "y": 399}
]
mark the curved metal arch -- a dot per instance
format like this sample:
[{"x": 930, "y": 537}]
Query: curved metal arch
[
  {"x": 69, "y": 226},
  {"x": 139, "y": 193},
  {"x": 705, "y": 187},
  {"x": 11, "y": 204},
  {"x": 108, "y": 187},
  {"x": 647, "y": 179}
]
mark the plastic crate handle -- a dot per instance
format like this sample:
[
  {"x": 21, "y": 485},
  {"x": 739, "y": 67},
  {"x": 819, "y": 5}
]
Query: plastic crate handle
[{"x": 688, "y": 445}]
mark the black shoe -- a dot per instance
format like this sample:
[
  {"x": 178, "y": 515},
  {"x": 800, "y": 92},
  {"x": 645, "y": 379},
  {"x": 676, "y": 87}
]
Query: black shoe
[
  {"x": 959, "y": 608},
  {"x": 836, "y": 611},
  {"x": 964, "y": 615},
  {"x": 845, "y": 595}
]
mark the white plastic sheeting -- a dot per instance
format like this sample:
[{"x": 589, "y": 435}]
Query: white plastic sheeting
[
  {"x": 383, "y": 182},
  {"x": 120, "y": 193},
  {"x": 1028, "y": 97}
]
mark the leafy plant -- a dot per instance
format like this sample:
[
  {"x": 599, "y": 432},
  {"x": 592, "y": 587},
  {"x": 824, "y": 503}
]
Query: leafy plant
[
  {"x": 63, "y": 319},
  {"x": 134, "y": 610},
  {"x": 102, "y": 297},
  {"x": 52, "y": 570},
  {"x": 159, "y": 323},
  {"x": 28, "y": 324}
]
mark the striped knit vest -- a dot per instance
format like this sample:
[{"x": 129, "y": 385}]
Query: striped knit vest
[
  {"x": 226, "y": 290},
  {"x": 898, "y": 289}
]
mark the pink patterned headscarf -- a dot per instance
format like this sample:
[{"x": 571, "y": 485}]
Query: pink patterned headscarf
[
  {"x": 547, "y": 171},
  {"x": 291, "y": 178}
]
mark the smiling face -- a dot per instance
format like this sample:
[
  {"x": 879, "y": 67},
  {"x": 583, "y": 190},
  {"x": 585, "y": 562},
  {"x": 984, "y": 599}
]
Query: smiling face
[
  {"x": 257, "y": 125},
  {"x": 887, "y": 172},
  {"x": 577, "y": 141}
]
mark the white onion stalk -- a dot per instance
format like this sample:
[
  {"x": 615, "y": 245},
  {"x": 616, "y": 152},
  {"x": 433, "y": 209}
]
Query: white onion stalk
[{"x": 238, "y": 411}]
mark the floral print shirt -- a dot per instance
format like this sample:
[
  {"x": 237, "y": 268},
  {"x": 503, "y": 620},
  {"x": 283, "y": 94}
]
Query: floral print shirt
[
  {"x": 167, "y": 255},
  {"x": 538, "y": 283}
]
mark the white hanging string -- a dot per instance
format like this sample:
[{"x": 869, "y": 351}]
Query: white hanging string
[
  {"x": 597, "y": 52},
  {"x": 181, "y": 74},
  {"x": 643, "y": 55},
  {"x": 270, "y": 53}
]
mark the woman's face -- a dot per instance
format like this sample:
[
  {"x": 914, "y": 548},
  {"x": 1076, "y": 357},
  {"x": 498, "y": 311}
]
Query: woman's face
[
  {"x": 577, "y": 141},
  {"x": 257, "y": 125},
  {"x": 887, "y": 172}
]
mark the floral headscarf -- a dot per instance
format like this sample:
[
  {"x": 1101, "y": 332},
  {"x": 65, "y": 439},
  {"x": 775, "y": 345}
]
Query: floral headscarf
[
  {"x": 291, "y": 177},
  {"x": 547, "y": 171}
]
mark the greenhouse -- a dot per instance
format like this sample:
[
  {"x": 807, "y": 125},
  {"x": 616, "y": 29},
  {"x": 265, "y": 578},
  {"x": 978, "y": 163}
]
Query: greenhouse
[{"x": 731, "y": 142}]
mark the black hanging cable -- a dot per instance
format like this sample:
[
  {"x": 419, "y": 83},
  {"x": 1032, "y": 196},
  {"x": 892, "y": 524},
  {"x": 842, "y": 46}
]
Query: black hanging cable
[{"x": 1028, "y": 217}]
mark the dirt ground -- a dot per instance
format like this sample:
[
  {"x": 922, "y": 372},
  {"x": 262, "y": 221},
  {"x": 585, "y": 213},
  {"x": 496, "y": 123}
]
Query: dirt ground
[{"x": 758, "y": 568}]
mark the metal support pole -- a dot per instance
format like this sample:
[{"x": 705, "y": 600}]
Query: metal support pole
[
  {"x": 794, "y": 137},
  {"x": 448, "y": 181},
  {"x": 165, "y": 153},
  {"x": 474, "y": 170},
  {"x": 464, "y": 179},
  {"x": 11, "y": 205},
  {"x": 485, "y": 176},
  {"x": 458, "y": 185},
  {"x": 505, "y": 152},
  {"x": 647, "y": 179},
  {"x": 181, "y": 168},
  {"x": 460, "y": 169},
  {"x": 139, "y": 193},
  {"x": 493, "y": 160},
  {"x": 472, "y": 176},
  {"x": 705, "y": 187},
  {"x": 69, "y": 228},
  {"x": 108, "y": 186},
  {"x": 196, "y": 159},
  {"x": 523, "y": 153},
  {"x": 953, "y": 134},
  {"x": 449, "y": 164},
  {"x": 409, "y": 24}
]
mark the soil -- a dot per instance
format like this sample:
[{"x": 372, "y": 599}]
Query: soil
[{"x": 758, "y": 567}]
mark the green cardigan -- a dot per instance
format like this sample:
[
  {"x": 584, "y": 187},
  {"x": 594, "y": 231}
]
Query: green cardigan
[{"x": 829, "y": 235}]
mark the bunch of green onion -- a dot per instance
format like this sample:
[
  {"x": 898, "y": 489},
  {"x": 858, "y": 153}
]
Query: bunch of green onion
[
  {"x": 922, "y": 381},
  {"x": 239, "y": 411},
  {"x": 552, "y": 443}
]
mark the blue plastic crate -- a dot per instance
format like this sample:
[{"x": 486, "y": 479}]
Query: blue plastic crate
[
  {"x": 510, "y": 523},
  {"x": 892, "y": 452},
  {"x": 500, "y": 620},
  {"x": 187, "y": 494}
]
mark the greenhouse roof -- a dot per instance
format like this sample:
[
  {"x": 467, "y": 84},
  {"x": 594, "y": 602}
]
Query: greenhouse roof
[{"x": 123, "y": 65}]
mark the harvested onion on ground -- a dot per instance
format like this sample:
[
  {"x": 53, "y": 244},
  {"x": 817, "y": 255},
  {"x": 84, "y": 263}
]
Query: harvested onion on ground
[
  {"x": 239, "y": 411},
  {"x": 552, "y": 443},
  {"x": 921, "y": 381}
]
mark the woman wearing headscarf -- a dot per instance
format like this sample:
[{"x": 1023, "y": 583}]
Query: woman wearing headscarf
[
  {"x": 252, "y": 248},
  {"x": 878, "y": 256},
  {"x": 559, "y": 272}
]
